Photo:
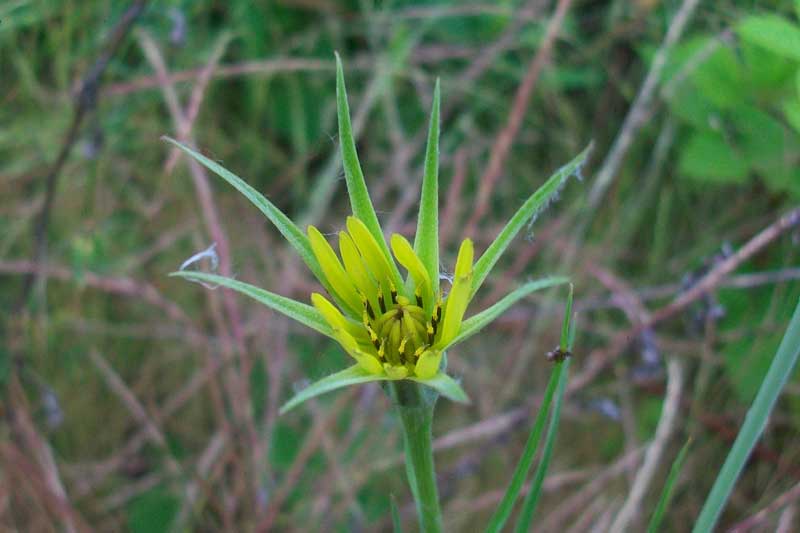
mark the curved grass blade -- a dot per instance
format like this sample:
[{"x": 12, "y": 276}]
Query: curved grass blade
[
  {"x": 354, "y": 375},
  {"x": 446, "y": 386},
  {"x": 396, "y": 525},
  {"x": 360, "y": 202},
  {"x": 426, "y": 242},
  {"x": 538, "y": 201},
  {"x": 288, "y": 229},
  {"x": 303, "y": 313},
  {"x": 475, "y": 323},
  {"x": 669, "y": 488},
  {"x": 532, "y": 499},
  {"x": 754, "y": 423}
]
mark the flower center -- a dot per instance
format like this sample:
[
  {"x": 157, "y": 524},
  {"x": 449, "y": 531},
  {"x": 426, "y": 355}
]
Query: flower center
[{"x": 400, "y": 331}]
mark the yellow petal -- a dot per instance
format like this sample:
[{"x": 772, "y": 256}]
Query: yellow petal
[
  {"x": 395, "y": 372},
  {"x": 405, "y": 255},
  {"x": 367, "y": 361},
  {"x": 355, "y": 268},
  {"x": 458, "y": 299},
  {"x": 334, "y": 272},
  {"x": 428, "y": 364},
  {"x": 376, "y": 261},
  {"x": 335, "y": 318}
]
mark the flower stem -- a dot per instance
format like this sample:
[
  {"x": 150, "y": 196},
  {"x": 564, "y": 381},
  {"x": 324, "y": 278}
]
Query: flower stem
[{"x": 416, "y": 414}]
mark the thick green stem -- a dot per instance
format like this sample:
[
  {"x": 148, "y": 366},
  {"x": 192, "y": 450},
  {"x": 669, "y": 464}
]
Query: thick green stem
[{"x": 416, "y": 414}]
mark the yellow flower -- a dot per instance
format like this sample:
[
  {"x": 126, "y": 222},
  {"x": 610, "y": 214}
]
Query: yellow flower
[{"x": 396, "y": 330}]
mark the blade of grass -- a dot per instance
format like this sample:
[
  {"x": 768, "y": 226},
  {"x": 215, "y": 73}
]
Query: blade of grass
[
  {"x": 360, "y": 201},
  {"x": 754, "y": 423},
  {"x": 506, "y": 505},
  {"x": 532, "y": 499},
  {"x": 669, "y": 489},
  {"x": 396, "y": 525},
  {"x": 303, "y": 313},
  {"x": 426, "y": 242},
  {"x": 538, "y": 201}
]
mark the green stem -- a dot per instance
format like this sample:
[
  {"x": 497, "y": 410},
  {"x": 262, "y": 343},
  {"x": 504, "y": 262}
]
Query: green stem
[{"x": 416, "y": 414}]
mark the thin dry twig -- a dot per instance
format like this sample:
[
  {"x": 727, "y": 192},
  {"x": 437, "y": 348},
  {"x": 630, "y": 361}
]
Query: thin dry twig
[
  {"x": 655, "y": 451},
  {"x": 757, "y": 520}
]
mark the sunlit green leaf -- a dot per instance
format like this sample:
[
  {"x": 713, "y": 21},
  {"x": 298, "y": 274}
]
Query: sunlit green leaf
[
  {"x": 708, "y": 157},
  {"x": 772, "y": 32}
]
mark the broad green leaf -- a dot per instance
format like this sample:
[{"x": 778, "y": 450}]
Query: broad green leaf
[
  {"x": 446, "y": 386},
  {"x": 668, "y": 490},
  {"x": 773, "y": 32},
  {"x": 475, "y": 323},
  {"x": 426, "y": 242},
  {"x": 153, "y": 511},
  {"x": 360, "y": 201},
  {"x": 354, "y": 375},
  {"x": 759, "y": 137},
  {"x": 791, "y": 111},
  {"x": 537, "y": 202},
  {"x": 303, "y": 313},
  {"x": 291, "y": 233},
  {"x": 707, "y": 157},
  {"x": 754, "y": 423},
  {"x": 720, "y": 80}
]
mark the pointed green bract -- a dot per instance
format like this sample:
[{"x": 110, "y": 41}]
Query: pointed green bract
[
  {"x": 426, "y": 243},
  {"x": 475, "y": 323},
  {"x": 354, "y": 375},
  {"x": 288, "y": 229},
  {"x": 303, "y": 313},
  {"x": 446, "y": 386},
  {"x": 532, "y": 206},
  {"x": 360, "y": 202}
]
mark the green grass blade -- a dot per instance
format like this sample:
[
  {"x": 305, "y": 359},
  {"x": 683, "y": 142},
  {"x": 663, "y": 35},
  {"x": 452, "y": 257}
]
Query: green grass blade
[
  {"x": 475, "y": 323},
  {"x": 532, "y": 206},
  {"x": 354, "y": 375},
  {"x": 360, "y": 202},
  {"x": 754, "y": 423},
  {"x": 396, "y": 524},
  {"x": 669, "y": 489},
  {"x": 288, "y": 229},
  {"x": 532, "y": 499},
  {"x": 303, "y": 313},
  {"x": 426, "y": 242}
]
